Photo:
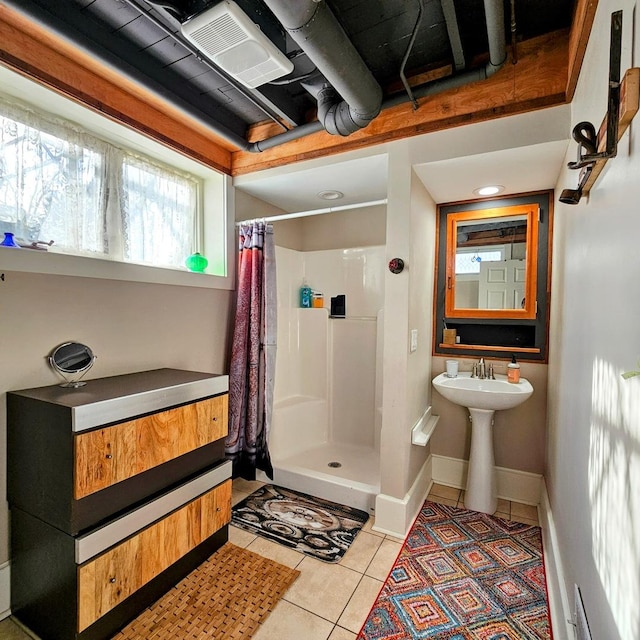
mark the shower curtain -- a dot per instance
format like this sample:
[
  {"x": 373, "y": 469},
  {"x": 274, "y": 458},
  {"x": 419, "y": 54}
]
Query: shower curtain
[{"x": 253, "y": 353}]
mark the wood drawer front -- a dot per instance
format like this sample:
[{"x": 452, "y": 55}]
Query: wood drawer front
[
  {"x": 106, "y": 456},
  {"x": 106, "y": 581}
]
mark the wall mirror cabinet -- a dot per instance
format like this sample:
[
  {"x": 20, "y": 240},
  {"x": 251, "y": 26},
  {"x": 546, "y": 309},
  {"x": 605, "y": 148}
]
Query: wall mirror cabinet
[{"x": 493, "y": 277}]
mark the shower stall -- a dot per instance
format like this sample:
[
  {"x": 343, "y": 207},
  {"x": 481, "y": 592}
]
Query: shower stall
[{"x": 325, "y": 435}]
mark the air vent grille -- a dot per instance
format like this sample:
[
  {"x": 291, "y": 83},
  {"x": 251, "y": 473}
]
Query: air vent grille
[
  {"x": 219, "y": 35},
  {"x": 232, "y": 41}
]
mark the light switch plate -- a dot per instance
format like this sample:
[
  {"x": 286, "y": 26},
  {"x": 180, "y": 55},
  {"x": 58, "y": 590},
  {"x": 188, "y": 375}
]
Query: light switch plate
[{"x": 414, "y": 340}]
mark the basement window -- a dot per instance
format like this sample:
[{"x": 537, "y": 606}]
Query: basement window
[
  {"x": 102, "y": 191},
  {"x": 469, "y": 261}
]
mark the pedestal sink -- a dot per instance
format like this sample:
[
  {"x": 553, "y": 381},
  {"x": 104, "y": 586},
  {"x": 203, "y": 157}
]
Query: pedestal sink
[{"x": 482, "y": 398}]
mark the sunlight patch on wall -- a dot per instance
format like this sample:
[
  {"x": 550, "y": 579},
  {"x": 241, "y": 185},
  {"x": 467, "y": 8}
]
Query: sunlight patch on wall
[{"x": 614, "y": 478}]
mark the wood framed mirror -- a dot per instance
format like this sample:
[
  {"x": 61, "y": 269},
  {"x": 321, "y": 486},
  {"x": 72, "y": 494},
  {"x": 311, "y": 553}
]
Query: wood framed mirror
[
  {"x": 493, "y": 276},
  {"x": 491, "y": 269}
]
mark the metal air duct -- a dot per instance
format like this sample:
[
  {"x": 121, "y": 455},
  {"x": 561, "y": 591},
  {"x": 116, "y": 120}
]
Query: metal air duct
[
  {"x": 352, "y": 98},
  {"x": 302, "y": 13}
]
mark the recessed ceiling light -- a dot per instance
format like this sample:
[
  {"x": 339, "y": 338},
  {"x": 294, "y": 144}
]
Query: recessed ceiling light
[
  {"x": 489, "y": 190},
  {"x": 330, "y": 194}
]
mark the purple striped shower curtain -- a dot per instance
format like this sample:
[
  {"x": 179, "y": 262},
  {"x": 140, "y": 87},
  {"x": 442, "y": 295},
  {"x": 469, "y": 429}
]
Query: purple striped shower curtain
[{"x": 253, "y": 353}]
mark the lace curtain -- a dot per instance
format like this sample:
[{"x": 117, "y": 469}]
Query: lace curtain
[{"x": 58, "y": 182}]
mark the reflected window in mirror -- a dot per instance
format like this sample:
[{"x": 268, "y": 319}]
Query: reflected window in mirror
[{"x": 493, "y": 276}]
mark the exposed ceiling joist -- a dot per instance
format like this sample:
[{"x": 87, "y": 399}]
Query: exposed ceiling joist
[{"x": 545, "y": 73}]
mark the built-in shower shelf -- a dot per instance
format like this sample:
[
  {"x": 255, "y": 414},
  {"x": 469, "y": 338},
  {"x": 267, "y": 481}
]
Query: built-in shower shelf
[{"x": 424, "y": 428}]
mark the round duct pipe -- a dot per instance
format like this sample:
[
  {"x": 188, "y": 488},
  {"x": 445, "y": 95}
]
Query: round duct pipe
[{"x": 353, "y": 97}]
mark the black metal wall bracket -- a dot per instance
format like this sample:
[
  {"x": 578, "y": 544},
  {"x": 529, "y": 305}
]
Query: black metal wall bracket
[{"x": 584, "y": 133}]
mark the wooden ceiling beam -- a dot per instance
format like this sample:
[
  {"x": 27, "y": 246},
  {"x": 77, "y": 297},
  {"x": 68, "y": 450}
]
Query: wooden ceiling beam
[
  {"x": 583, "y": 17},
  {"x": 40, "y": 55},
  {"x": 538, "y": 80}
]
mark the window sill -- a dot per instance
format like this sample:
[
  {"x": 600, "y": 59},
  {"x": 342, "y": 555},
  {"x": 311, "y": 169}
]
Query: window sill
[{"x": 51, "y": 263}]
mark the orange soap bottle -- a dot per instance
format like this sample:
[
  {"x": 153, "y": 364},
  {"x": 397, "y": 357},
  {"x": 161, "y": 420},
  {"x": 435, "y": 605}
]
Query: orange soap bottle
[{"x": 513, "y": 371}]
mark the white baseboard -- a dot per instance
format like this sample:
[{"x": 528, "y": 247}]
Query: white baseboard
[
  {"x": 519, "y": 486},
  {"x": 5, "y": 593},
  {"x": 395, "y": 516},
  {"x": 559, "y": 607}
]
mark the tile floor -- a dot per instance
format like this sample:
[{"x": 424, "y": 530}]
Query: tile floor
[{"x": 328, "y": 601}]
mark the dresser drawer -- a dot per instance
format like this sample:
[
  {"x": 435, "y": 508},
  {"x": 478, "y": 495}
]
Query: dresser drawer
[
  {"x": 107, "y": 456},
  {"x": 110, "y": 578}
]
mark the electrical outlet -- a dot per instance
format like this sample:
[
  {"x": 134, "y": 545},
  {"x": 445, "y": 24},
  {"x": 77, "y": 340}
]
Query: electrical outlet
[{"x": 414, "y": 340}]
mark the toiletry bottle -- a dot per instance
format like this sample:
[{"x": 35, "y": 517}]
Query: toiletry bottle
[
  {"x": 305, "y": 295},
  {"x": 513, "y": 371}
]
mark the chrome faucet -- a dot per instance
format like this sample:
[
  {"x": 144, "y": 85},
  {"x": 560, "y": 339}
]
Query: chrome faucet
[
  {"x": 482, "y": 373},
  {"x": 491, "y": 375}
]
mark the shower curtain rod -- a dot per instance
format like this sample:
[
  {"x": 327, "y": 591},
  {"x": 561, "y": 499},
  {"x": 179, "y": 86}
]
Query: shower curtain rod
[{"x": 314, "y": 212}]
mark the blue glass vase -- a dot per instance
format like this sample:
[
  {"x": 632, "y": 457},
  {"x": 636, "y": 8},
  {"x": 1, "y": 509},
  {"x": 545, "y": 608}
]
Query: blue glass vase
[{"x": 9, "y": 241}]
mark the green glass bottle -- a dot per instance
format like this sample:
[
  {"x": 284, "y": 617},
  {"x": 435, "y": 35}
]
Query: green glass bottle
[{"x": 196, "y": 263}]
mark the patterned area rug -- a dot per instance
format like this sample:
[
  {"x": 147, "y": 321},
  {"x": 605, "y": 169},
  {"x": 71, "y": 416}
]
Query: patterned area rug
[
  {"x": 463, "y": 575},
  {"x": 316, "y": 527},
  {"x": 226, "y": 598}
]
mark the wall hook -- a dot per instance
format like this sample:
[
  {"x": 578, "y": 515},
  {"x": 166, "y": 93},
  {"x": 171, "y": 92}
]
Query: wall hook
[{"x": 584, "y": 133}]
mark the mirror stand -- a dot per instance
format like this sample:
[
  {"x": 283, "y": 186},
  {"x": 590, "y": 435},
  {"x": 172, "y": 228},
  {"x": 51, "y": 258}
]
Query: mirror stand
[{"x": 72, "y": 360}]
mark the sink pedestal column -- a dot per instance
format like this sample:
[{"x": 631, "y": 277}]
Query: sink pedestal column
[{"x": 481, "y": 493}]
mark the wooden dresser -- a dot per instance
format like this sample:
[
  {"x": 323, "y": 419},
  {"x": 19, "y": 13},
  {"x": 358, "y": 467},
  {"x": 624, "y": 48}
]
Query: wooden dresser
[{"x": 116, "y": 490}]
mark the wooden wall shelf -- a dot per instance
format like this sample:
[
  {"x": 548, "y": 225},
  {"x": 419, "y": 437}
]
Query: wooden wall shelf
[
  {"x": 490, "y": 348},
  {"x": 629, "y": 102}
]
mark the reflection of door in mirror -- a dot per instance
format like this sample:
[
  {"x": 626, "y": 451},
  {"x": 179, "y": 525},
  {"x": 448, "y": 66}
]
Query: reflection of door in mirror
[
  {"x": 501, "y": 285},
  {"x": 492, "y": 261}
]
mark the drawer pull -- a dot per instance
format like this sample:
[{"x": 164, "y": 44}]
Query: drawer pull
[
  {"x": 109, "y": 456},
  {"x": 112, "y": 580},
  {"x": 215, "y": 418},
  {"x": 218, "y": 509}
]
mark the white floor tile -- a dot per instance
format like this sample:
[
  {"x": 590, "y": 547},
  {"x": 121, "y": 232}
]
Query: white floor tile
[
  {"x": 240, "y": 537},
  {"x": 237, "y": 496},
  {"x": 323, "y": 588},
  {"x": 289, "y": 622},
  {"x": 9, "y": 630},
  {"x": 339, "y": 633},
  {"x": 519, "y": 511},
  {"x": 368, "y": 528},
  {"x": 276, "y": 552},
  {"x": 443, "y": 491},
  {"x": 361, "y": 552},
  {"x": 246, "y": 486},
  {"x": 383, "y": 560},
  {"x": 360, "y": 604}
]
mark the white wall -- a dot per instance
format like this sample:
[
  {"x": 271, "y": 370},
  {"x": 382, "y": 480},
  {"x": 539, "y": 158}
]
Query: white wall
[
  {"x": 410, "y": 236},
  {"x": 593, "y": 457}
]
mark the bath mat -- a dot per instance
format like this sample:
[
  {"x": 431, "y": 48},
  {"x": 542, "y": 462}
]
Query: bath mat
[
  {"x": 316, "y": 527},
  {"x": 226, "y": 598},
  {"x": 463, "y": 575}
]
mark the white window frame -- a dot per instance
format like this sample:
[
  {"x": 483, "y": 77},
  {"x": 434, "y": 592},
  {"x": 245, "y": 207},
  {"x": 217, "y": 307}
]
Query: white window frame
[{"x": 218, "y": 231}]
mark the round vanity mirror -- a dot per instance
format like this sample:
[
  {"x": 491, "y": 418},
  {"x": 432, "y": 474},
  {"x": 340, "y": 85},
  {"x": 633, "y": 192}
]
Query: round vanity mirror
[{"x": 72, "y": 360}]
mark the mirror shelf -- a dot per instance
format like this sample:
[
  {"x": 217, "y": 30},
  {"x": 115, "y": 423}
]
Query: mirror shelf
[{"x": 484, "y": 347}]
